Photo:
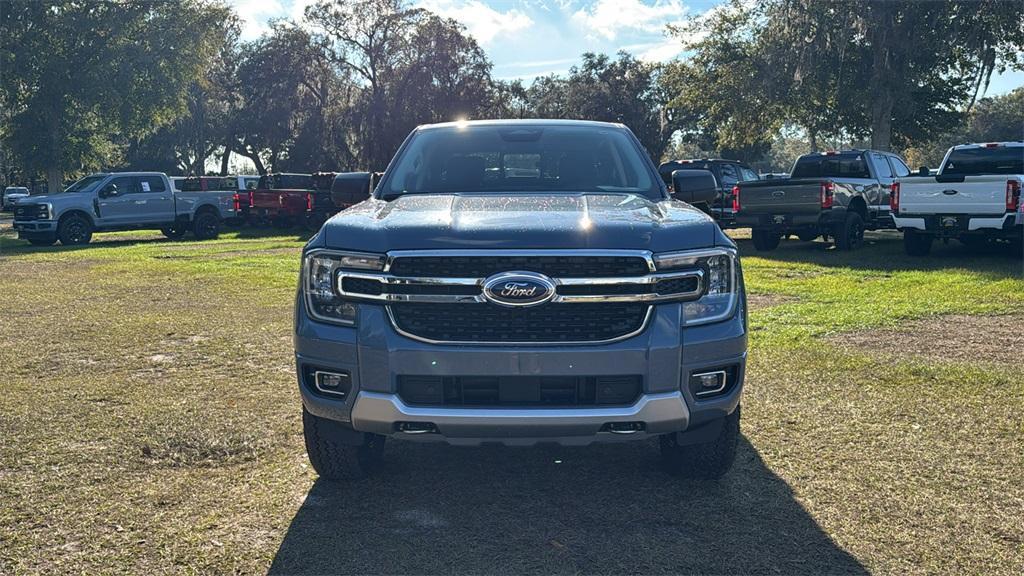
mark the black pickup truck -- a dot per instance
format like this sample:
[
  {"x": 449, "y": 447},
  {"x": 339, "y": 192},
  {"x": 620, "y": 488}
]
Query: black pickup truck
[{"x": 837, "y": 194}]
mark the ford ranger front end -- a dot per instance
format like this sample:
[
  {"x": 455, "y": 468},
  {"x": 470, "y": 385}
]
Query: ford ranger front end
[{"x": 521, "y": 282}]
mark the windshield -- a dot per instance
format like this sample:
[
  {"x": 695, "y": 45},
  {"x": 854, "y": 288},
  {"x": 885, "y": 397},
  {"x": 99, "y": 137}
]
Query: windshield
[
  {"x": 510, "y": 158},
  {"x": 86, "y": 184},
  {"x": 998, "y": 160},
  {"x": 846, "y": 165}
]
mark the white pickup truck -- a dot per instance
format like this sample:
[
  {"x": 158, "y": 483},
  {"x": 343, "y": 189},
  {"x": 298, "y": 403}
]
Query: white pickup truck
[{"x": 974, "y": 198}]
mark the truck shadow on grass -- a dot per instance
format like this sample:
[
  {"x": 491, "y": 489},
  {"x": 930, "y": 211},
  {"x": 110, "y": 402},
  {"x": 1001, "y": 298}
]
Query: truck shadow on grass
[
  {"x": 601, "y": 509},
  {"x": 884, "y": 252}
]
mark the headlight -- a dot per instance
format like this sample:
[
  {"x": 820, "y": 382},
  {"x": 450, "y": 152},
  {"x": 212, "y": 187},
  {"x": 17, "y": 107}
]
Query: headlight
[
  {"x": 319, "y": 276},
  {"x": 718, "y": 301}
]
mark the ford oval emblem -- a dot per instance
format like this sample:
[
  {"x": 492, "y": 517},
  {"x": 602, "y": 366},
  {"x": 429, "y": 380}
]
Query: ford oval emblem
[{"x": 519, "y": 289}]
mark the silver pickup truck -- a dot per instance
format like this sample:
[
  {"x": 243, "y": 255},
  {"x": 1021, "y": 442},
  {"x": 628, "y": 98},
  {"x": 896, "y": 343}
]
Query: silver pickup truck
[
  {"x": 120, "y": 201},
  {"x": 836, "y": 194}
]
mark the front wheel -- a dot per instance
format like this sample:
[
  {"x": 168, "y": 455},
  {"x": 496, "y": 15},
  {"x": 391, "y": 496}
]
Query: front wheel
[
  {"x": 176, "y": 232},
  {"x": 850, "y": 234},
  {"x": 74, "y": 230},
  {"x": 765, "y": 239},
  {"x": 206, "y": 226},
  {"x": 333, "y": 454},
  {"x": 917, "y": 244},
  {"x": 709, "y": 460}
]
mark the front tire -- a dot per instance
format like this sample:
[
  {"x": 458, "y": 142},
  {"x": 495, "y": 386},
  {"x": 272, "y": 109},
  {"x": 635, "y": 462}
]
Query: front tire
[
  {"x": 765, "y": 239},
  {"x": 917, "y": 244},
  {"x": 74, "y": 230},
  {"x": 710, "y": 460},
  {"x": 206, "y": 225},
  {"x": 176, "y": 232},
  {"x": 850, "y": 234},
  {"x": 332, "y": 456}
]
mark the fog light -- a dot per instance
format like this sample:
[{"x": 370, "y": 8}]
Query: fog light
[
  {"x": 335, "y": 383},
  {"x": 708, "y": 383}
]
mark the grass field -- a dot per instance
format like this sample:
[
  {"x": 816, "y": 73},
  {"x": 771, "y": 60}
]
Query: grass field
[{"x": 149, "y": 423}]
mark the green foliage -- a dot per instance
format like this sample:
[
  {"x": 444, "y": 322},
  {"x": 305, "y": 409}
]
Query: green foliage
[
  {"x": 899, "y": 72},
  {"x": 77, "y": 75}
]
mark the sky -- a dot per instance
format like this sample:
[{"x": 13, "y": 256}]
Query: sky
[{"x": 529, "y": 38}]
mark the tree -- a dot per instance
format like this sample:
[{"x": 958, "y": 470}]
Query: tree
[
  {"x": 412, "y": 67},
  {"x": 895, "y": 71},
  {"x": 79, "y": 74}
]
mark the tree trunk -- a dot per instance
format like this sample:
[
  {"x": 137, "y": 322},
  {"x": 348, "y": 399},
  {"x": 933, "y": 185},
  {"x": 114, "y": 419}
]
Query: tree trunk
[
  {"x": 55, "y": 170},
  {"x": 812, "y": 136},
  {"x": 225, "y": 161},
  {"x": 881, "y": 121}
]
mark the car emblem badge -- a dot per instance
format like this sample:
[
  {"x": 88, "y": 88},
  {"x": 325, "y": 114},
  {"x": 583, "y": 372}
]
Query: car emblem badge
[{"x": 519, "y": 289}]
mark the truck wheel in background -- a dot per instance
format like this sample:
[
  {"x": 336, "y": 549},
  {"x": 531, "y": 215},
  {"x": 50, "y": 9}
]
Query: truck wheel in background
[
  {"x": 850, "y": 234},
  {"x": 710, "y": 460},
  {"x": 206, "y": 225},
  {"x": 74, "y": 229},
  {"x": 175, "y": 232},
  {"x": 765, "y": 239},
  {"x": 332, "y": 456},
  {"x": 917, "y": 244}
]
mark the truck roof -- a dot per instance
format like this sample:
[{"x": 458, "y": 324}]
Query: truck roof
[
  {"x": 520, "y": 122},
  {"x": 128, "y": 174},
  {"x": 1011, "y": 144}
]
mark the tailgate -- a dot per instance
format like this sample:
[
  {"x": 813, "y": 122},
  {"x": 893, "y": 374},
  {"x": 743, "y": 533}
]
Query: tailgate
[
  {"x": 780, "y": 197},
  {"x": 975, "y": 195}
]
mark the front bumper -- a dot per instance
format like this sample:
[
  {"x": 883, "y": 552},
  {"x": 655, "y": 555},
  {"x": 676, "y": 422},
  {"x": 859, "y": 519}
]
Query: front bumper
[
  {"x": 664, "y": 354},
  {"x": 32, "y": 229}
]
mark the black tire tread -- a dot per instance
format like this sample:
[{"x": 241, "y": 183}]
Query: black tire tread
[
  {"x": 705, "y": 461},
  {"x": 62, "y": 229},
  {"x": 334, "y": 460},
  {"x": 842, "y": 233}
]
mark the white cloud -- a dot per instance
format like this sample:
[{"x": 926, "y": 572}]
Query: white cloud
[
  {"x": 483, "y": 22},
  {"x": 608, "y": 18},
  {"x": 254, "y": 15}
]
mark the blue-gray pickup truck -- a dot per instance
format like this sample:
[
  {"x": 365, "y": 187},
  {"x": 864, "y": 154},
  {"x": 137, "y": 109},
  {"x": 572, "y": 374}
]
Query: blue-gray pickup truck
[
  {"x": 121, "y": 201},
  {"x": 521, "y": 282}
]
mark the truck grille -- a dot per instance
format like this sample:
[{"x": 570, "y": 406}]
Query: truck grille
[
  {"x": 500, "y": 391},
  {"x": 553, "y": 266},
  {"x": 30, "y": 212},
  {"x": 486, "y": 323}
]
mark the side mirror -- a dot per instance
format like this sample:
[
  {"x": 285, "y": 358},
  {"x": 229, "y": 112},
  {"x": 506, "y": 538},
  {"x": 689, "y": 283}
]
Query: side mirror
[
  {"x": 350, "y": 188},
  {"x": 109, "y": 190},
  {"x": 924, "y": 171},
  {"x": 694, "y": 186}
]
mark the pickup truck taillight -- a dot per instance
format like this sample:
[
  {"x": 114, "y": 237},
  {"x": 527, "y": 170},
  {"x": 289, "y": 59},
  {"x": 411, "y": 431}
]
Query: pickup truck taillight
[
  {"x": 827, "y": 194},
  {"x": 1012, "y": 195},
  {"x": 894, "y": 198},
  {"x": 736, "y": 198},
  {"x": 309, "y": 201},
  {"x": 237, "y": 199},
  {"x": 252, "y": 199}
]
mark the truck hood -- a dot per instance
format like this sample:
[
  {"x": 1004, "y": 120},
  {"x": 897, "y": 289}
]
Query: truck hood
[{"x": 530, "y": 221}]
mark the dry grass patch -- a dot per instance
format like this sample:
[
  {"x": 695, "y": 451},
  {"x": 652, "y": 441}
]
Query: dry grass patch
[{"x": 995, "y": 339}]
